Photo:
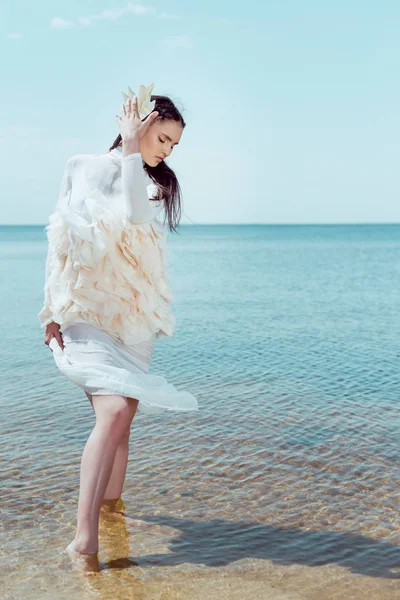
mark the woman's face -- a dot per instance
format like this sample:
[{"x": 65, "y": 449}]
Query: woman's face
[{"x": 159, "y": 141}]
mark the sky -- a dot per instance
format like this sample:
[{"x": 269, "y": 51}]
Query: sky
[{"x": 292, "y": 106}]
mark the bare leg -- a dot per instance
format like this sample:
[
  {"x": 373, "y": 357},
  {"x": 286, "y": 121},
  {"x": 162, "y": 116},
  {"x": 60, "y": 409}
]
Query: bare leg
[
  {"x": 117, "y": 478},
  {"x": 114, "y": 415},
  {"x": 116, "y": 482}
]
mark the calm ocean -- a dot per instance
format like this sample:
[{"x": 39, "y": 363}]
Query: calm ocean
[{"x": 288, "y": 336}]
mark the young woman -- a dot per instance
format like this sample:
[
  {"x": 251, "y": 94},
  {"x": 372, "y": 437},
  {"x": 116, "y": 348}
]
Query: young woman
[{"x": 107, "y": 294}]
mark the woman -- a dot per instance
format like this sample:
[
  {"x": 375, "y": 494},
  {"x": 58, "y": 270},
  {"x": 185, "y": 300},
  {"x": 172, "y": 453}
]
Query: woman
[{"x": 107, "y": 294}]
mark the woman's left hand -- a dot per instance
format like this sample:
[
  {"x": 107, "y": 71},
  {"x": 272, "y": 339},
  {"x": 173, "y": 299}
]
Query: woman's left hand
[{"x": 129, "y": 122}]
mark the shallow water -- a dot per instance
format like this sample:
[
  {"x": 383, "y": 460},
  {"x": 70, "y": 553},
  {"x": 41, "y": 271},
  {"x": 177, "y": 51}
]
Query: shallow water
[{"x": 285, "y": 484}]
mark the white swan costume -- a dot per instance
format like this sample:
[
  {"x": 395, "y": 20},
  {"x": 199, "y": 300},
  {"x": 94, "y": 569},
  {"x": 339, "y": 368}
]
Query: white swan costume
[{"x": 106, "y": 280}]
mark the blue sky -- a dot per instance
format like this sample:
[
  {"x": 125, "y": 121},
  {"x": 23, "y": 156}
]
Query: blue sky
[{"x": 292, "y": 107}]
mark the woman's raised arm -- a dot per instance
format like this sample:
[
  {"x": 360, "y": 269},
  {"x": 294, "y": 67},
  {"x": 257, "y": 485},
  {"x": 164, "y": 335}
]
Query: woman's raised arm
[{"x": 139, "y": 208}]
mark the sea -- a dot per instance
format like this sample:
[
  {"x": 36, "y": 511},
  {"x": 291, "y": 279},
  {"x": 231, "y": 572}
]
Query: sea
[{"x": 285, "y": 484}]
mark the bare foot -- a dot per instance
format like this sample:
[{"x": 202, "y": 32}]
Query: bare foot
[
  {"x": 89, "y": 563},
  {"x": 136, "y": 522},
  {"x": 115, "y": 509}
]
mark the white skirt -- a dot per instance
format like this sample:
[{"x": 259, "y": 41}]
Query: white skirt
[{"x": 102, "y": 364}]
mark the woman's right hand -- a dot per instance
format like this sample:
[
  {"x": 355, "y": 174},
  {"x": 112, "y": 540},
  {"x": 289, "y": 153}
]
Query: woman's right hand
[
  {"x": 131, "y": 127},
  {"x": 52, "y": 329}
]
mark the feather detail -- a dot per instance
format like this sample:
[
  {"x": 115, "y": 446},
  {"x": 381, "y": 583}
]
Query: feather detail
[
  {"x": 145, "y": 105},
  {"x": 110, "y": 272}
]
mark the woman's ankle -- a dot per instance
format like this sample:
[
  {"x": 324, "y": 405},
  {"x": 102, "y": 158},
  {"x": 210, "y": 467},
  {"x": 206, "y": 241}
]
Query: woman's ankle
[{"x": 83, "y": 546}]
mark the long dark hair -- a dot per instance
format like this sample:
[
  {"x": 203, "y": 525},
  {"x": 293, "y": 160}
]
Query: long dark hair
[{"x": 169, "y": 190}]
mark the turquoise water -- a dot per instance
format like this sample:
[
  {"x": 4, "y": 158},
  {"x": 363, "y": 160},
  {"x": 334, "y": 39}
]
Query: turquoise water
[{"x": 288, "y": 336}]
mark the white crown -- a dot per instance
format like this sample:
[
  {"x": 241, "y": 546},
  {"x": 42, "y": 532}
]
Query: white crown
[{"x": 145, "y": 106}]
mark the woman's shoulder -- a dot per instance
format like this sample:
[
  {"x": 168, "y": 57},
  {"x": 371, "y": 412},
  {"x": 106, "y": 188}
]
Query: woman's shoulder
[
  {"x": 85, "y": 156},
  {"x": 95, "y": 162},
  {"x": 76, "y": 159}
]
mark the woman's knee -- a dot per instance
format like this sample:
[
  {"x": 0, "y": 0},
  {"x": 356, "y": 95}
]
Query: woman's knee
[{"x": 115, "y": 413}]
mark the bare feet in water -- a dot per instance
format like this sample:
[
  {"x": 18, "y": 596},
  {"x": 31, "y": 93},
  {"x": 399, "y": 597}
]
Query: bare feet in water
[
  {"x": 89, "y": 563},
  {"x": 115, "y": 509}
]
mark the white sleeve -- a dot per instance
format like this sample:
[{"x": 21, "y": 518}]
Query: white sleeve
[
  {"x": 45, "y": 315},
  {"x": 138, "y": 206},
  {"x": 66, "y": 185}
]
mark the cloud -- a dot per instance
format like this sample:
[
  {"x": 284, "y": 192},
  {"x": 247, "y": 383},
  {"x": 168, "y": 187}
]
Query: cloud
[
  {"x": 114, "y": 14},
  {"x": 178, "y": 41},
  {"x": 15, "y": 36},
  {"x": 58, "y": 23}
]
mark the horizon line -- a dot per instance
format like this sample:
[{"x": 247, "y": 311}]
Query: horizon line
[{"x": 241, "y": 224}]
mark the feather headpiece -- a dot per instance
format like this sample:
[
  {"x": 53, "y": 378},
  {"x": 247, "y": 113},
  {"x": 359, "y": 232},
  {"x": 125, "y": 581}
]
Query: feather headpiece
[{"x": 145, "y": 106}]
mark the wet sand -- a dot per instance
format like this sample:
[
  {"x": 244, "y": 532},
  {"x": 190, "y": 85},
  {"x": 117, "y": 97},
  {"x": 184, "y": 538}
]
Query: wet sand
[{"x": 146, "y": 559}]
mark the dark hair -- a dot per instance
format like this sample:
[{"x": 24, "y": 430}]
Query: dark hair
[{"x": 168, "y": 186}]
